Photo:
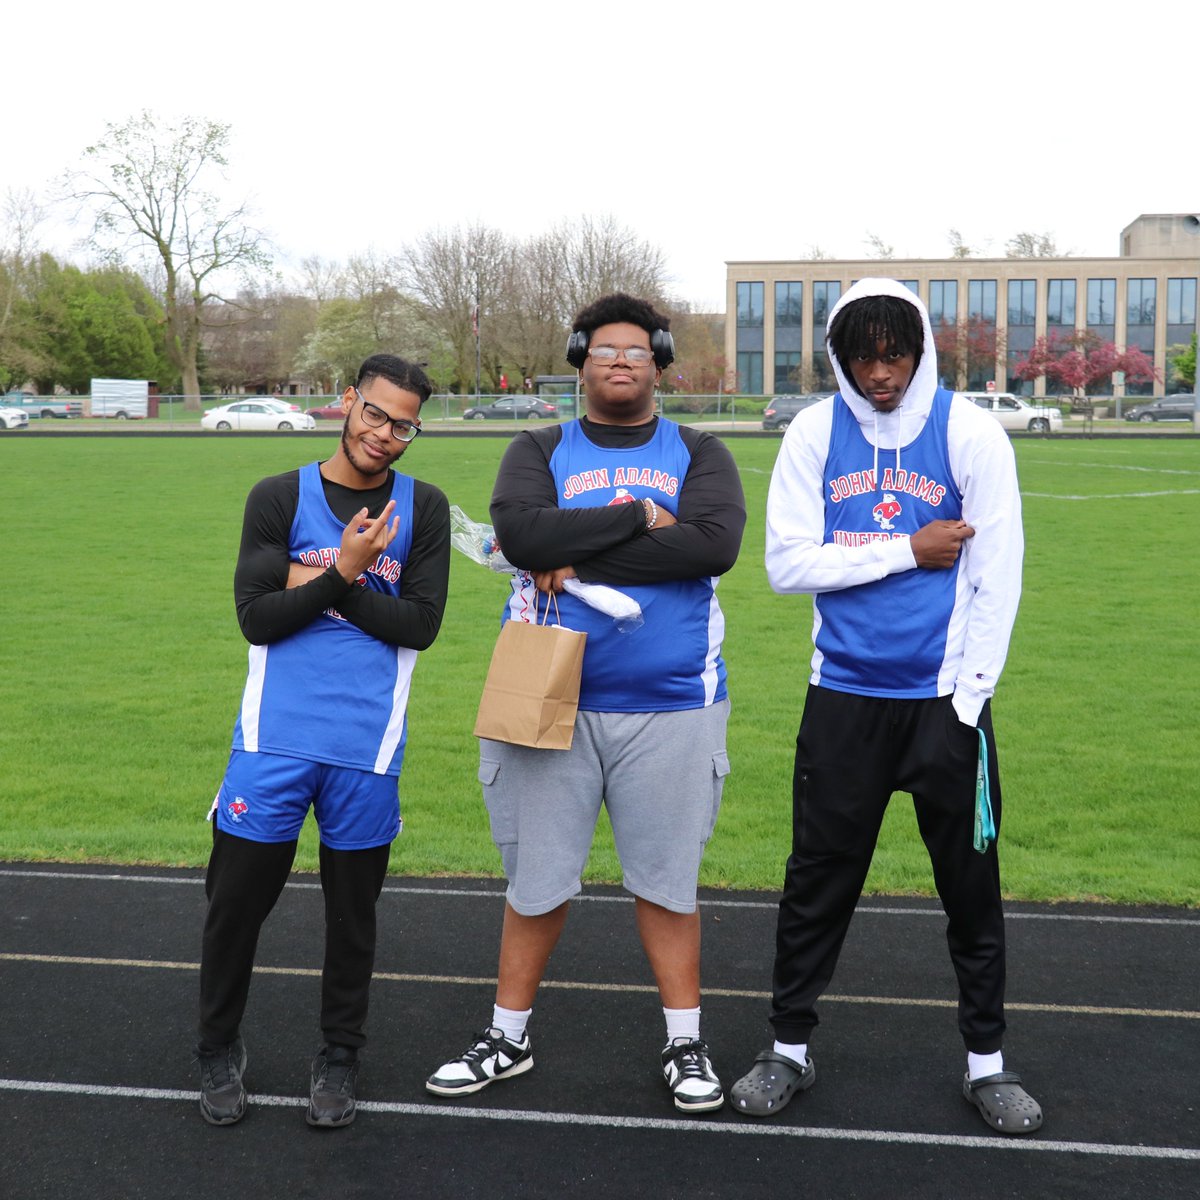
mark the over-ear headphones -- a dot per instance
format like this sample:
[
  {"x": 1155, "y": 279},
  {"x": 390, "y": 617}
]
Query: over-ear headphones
[{"x": 662, "y": 346}]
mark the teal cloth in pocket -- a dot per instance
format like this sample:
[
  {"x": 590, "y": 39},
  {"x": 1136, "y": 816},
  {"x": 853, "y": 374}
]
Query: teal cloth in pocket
[{"x": 985, "y": 825}]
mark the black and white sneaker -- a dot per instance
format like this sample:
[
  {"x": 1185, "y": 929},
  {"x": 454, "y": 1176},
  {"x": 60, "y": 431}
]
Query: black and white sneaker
[
  {"x": 690, "y": 1076},
  {"x": 222, "y": 1093},
  {"x": 332, "y": 1102},
  {"x": 489, "y": 1057}
]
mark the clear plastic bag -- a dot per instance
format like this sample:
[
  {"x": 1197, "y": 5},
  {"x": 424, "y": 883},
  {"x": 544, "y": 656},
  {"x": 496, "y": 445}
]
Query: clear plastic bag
[{"x": 478, "y": 542}]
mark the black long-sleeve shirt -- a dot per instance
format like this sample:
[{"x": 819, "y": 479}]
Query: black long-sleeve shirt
[
  {"x": 269, "y": 610},
  {"x": 612, "y": 544}
]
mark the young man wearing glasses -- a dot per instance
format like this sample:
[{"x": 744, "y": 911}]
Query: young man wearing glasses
[
  {"x": 623, "y": 497},
  {"x": 340, "y": 581}
]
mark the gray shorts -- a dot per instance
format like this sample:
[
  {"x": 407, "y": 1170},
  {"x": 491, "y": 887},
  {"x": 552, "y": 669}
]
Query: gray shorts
[{"x": 660, "y": 776}]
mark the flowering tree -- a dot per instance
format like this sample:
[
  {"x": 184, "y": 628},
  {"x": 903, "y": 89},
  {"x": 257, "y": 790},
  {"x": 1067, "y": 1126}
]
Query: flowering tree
[
  {"x": 1073, "y": 362},
  {"x": 966, "y": 349}
]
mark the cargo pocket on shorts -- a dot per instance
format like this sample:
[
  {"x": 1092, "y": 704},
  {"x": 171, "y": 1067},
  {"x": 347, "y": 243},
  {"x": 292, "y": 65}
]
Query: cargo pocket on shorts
[
  {"x": 721, "y": 770},
  {"x": 501, "y": 815}
]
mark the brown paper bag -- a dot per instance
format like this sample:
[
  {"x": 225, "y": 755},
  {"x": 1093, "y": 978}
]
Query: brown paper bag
[{"x": 531, "y": 694}]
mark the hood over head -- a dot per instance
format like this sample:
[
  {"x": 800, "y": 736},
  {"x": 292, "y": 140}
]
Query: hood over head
[{"x": 918, "y": 398}]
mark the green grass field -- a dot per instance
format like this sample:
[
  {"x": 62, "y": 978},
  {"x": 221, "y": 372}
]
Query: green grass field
[{"x": 121, "y": 667}]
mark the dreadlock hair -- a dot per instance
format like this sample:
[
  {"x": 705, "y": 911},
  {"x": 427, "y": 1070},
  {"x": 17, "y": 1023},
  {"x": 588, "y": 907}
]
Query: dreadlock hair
[
  {"x": 397, "y": 370},
  {"x": 619, "y": 308},
  {"x": 858, "y": 329}
]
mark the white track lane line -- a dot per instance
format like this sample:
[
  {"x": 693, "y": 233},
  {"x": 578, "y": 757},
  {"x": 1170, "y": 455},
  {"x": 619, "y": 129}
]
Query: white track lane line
[
  {"x": 654, "y": 1124},
  {"x": 706, "y": 902}
]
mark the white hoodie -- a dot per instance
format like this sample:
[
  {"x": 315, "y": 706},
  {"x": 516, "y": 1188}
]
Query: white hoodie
[{"x": 984, "y": 469}]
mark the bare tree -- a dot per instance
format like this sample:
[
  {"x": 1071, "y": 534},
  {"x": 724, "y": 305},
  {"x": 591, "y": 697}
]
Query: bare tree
[
  {"x": 146, "y": 189},
  {"x": 878, "y": 247},
  {"x": 460, "y": 276},
  {"x": 958, "y": 247},
  {"x": 598, "y": 256},
  {"x": 1031, "y": 245},
  {"x": 20, "y": 215}
]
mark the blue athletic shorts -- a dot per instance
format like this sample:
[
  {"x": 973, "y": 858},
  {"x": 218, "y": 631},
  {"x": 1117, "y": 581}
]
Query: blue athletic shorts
[{"x": 265, "y": 798}]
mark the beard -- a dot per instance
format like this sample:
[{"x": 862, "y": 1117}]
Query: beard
[{"x": 367, "y": 469}]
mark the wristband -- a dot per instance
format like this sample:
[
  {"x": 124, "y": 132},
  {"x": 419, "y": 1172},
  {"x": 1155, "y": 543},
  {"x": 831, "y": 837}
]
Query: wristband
[{"x": 652, "y": 517}]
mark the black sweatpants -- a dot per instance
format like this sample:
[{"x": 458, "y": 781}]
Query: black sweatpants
[
  {"x": 244, "y": 880},
  {"x": 852, "y": 753}
]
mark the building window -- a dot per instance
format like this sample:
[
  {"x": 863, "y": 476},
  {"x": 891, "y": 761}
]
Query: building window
[
  {"x": 789, "y": 307},
  {"x": 825, "y": 296},
  {"x": 1181, "y": 303},
  {"x": 981, "y": 300},
  {"x": 749, "y": 346},
  {"x": 750, "y": 372},
  {"x": 1181, "y": 326},
  {"x": 981, "y": 347},
  {"x": 750, "y": 305},
  {"x": 1022, "y": 317},
  {"x": 789, "y": 336},
  {"x": 1102, "y": 323},
  {"x": 943, "y": 302},
  {"x": 787, "y": 371},
  {"x": 1060, "y": 303},
  {"x": 824, "y": 379},
  {"x": 912, "y": 285},
  {"x": 1102, "y": 306},
  {"x": 1141, "y": 302}
]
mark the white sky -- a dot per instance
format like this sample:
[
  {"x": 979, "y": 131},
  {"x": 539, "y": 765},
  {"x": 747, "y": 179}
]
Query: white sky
[{"x": 749, "y": 130}]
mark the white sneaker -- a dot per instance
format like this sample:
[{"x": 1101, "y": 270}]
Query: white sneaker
[
  {"x": 490, "y": 1056},
  {"x": 690, "y": 1076}
]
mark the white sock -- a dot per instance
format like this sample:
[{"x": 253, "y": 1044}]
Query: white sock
[
  {"x": 981, "y": 1065},
  {"x": 796, "y": 1051},
  {"x": 682, "y": 1023},
  {"x": 510, "y": 1022}
]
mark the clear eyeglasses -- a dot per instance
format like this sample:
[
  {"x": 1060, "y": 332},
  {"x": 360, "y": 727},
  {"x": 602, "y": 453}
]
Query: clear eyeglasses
[
  {"x": 635, "y": 356},
  {"x": 402, "y": 430}
]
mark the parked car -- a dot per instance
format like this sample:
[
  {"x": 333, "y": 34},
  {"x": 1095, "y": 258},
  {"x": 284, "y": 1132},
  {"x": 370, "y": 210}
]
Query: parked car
[
  {"x": 1169, "y": 408},
  {"x": 260, "y": 413},
  {"x": 327, "y": 412},
  {"x": 511, "y": 408},
  {"x": 779, "y": 413},
  {"x": 14, "y": 418},
  {"x": 1016, "y": 413},
  {"x": 42, "y": 406}
]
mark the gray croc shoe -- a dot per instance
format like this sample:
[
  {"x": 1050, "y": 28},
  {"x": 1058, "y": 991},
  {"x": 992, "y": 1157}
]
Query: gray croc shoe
[
  {"x": 771, "y": 1083},
  {"x": 1006, "y": 1106}
]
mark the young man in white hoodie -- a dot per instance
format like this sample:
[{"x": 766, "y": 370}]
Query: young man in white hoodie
[{"x": 895, "y": 504}]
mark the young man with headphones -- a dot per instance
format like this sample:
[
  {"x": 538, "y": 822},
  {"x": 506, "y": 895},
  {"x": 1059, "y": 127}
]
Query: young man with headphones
[{"x": 624, "y": 497}]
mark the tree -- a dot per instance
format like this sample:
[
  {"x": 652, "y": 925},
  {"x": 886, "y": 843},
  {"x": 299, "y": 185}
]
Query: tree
[
  {"x": 967, "y": 350},
  {"x": 958, "y": 247},
  {"x": 1078, "y": 360},
  {"x": 20, "y": 358},
  {"x": 146, "y": 187},
  {"x": 93, "y": 324},
  {"x": 1031, "y": 245},
  {"x": 1185, "y": 365},
  {"x": 699, "y": 365},
  {"x": 459, "y": 275},
  {"x": 878, "y": 247}
]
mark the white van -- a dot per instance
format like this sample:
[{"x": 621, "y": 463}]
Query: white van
[
  {"x": 120, "y": 398},
  {"x": 1016, "y": 413}
]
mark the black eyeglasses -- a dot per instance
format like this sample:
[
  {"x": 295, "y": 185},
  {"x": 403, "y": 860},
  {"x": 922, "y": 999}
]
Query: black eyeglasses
[
  {"x": 402, "y": 430},
  {"x": 635, "y": 356}
]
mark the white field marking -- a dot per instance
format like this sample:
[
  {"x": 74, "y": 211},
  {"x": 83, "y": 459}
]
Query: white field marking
[
  {"x": 1114, "y": 466},
  {"x": 575, "y": 985},
  {"x": 1113, "y": 495},
  {"x": 498, "y": 894},
  {"x": 654, "y": 1124}
]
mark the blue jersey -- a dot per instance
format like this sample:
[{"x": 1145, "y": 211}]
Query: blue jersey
[
  {"x": 673, "y": 661},
  {"x": 331, "y": 693},
  {"x": 889, "y": 637}
]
